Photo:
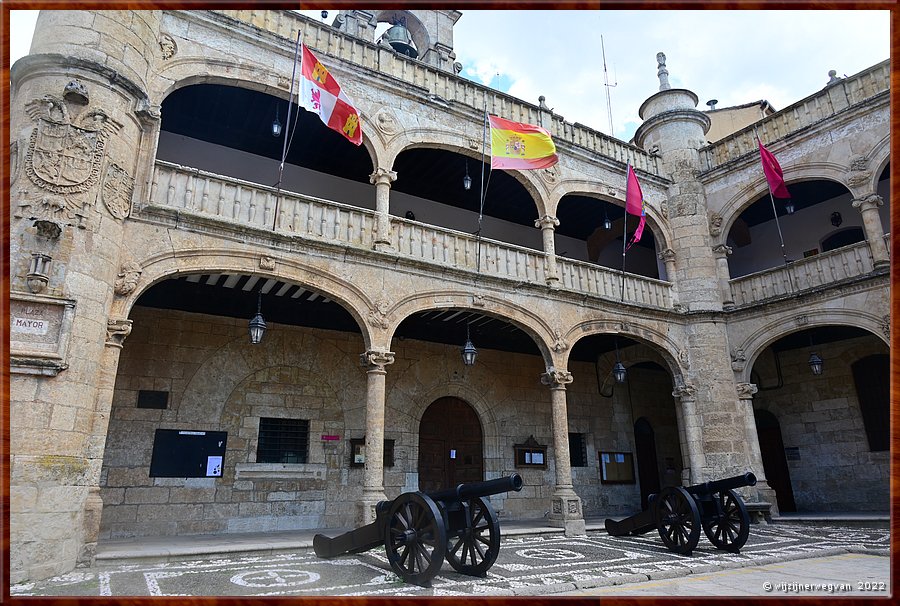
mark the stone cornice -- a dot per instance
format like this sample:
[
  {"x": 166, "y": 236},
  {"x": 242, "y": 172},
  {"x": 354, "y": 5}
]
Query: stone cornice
[{"x": 29, "y": 64}]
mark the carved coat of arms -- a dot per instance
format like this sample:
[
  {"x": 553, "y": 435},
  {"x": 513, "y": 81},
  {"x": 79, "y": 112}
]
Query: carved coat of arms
[
  {"x": 65, "y": 156},
  {"x": 117, "y": 189}
]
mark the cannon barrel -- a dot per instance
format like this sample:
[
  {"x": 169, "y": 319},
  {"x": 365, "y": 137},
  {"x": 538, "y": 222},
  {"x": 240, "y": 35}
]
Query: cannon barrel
[
  {"x": 478, "y": 489},
  {"x": 746, "y": 479}
]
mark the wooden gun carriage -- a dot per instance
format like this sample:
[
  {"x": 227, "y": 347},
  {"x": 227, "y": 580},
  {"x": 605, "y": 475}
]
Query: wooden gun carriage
[
  {"x": 679, "y": 512},
  {"x": 419, "y": 530}
]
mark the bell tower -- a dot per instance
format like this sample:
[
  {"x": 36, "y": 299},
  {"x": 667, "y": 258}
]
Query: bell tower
[{"x": 424, "y": 35}]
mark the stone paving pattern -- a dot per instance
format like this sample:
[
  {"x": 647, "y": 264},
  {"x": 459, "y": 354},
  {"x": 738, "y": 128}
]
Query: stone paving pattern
[{"x": 527, "y": 565}]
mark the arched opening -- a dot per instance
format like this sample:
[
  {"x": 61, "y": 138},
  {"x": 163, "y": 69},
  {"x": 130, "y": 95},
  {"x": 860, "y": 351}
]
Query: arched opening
[
  {"x": 590, "y": 229},
  {"x": 645, "y": 450},
  {"x": 843, "y": 237},
  {"x": 227, "y": 130},
  {"x": 754, "y": 235},
  {"x": 774, "y": 459},
  {"x": 431, "y": 184},
  {"x": 188, "y": 372},
  {"x": 451, "y": 449},
  {"x": 824, "y": 418},
  {"x": 613, "y": 418}
]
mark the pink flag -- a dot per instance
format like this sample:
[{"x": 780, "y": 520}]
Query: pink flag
[
  {"x": 773, "y": 173},
  {"x": 634, "y": 205},
  {"x": 320, "y": 93}
]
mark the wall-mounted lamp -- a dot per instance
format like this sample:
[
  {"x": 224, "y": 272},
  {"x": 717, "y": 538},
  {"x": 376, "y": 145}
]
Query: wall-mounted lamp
[
  {"x": 257, "y": 323},
  {"x": 836, "y": 219},
  {"x": 469, "y": 353},
  {"x": 467, "y": 180}
]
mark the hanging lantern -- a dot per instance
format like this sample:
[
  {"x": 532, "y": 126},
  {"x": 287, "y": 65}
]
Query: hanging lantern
[
  {"x": 257, "y": 323},
  {"x": 469, "y": 353},
  {"x": 815, "y": 364},
  {"x": 619, "y": 372}
]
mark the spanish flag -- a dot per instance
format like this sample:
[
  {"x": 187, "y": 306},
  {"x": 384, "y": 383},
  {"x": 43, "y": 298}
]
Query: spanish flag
[{"x": 519, "y": 146}]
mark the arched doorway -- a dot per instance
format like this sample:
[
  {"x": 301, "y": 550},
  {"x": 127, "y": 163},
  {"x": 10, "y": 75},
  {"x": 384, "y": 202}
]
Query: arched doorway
[
  {"x": 771, "y": 448},
  {"x": 648, "y": 472},
  {"x": 450, "y": 445}
]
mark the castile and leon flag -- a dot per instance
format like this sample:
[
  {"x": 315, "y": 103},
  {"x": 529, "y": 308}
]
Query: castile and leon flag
[{"x": 320, "y": 93}]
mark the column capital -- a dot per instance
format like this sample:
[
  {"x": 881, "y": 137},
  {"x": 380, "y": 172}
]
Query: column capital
[
  {"x": 376, "y": 359},
  {"x": 116, "y": 331},
  {"x": 864, "y": 203},
  {"x": 546, "y": 222},
  {"x": 556, "y": 378},
  {"x": 382, "y": 175},
  {"x": 666, "y": 255},
  {"x": 721, "y": 251},
  {"x": 685, "y": 391},
  {"x": 745, "y": 391}
]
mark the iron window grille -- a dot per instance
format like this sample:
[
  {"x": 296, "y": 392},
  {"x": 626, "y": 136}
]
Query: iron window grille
[
  {"x": 577, "y": 450},
  {"x": 282, "y": 440}
]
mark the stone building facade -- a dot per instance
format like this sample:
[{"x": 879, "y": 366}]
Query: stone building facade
[{"x": 146, "y": 231}]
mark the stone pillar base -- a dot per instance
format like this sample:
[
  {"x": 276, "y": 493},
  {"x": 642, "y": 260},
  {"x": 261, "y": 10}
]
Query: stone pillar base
[
  {"x": 565, "y": 513},
  {"x": 365, "y": 509},
  {"x": 93, "y": 509}
]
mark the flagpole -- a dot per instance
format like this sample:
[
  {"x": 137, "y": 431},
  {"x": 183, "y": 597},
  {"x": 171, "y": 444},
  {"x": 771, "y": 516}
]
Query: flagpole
[
  {"x": 285, "y": 131},
  {"x": 481, "y": 200},
  {"x": 775, "y": 212},
  {"x": 625, "y": 228}
]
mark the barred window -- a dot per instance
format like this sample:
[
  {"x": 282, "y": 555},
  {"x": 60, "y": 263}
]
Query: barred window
[
  {"x": 282, "y": 440},
  {"x": 577, "y": 450}
]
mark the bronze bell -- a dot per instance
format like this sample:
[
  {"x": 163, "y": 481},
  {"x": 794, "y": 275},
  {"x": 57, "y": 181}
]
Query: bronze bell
[{"x": 399, "y": 39}]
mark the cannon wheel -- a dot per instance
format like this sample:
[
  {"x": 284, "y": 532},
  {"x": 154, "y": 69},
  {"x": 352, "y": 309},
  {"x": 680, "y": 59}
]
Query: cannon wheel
[
  {"x": 677, "y": 519},
  {"x": 730, "y": 529},
  {"x": 478, "y": 540},
  {"x": 415, "y": 538}
]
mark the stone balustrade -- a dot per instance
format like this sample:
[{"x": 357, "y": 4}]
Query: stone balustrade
[
  {"x": 815, "y": 108},
  {"x": 250, "y": 204},
  {"x": 814, "y": 272},
  {"x": 439, "y": 86}
]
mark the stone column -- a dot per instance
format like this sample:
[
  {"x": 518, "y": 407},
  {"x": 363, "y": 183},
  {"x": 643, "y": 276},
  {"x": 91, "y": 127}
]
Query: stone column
[
  {"x": 116, "y": 331},
  {"x": 668, "y": 257},
  {"x": 565, "y": 510},
  {"x": 382, "y": 178},
  {"x": 693, "y": 435},
  {"x": 745, "y": 393},
  {"x": 548, "y": 225},
  {"x": 868, "y": 208},
  {"x": 721, "y": 253},
  {"x": 373, "y": 479}
]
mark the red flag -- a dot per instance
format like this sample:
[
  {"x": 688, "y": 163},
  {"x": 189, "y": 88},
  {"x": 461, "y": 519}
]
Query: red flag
[
  {"x": 320, "y": 93},
  {"x": 773, "y": 173},
  {"x": 634, "y": 205}
]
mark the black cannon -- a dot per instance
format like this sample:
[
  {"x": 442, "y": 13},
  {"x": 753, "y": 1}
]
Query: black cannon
[
  {"x": 419, "y": 530},
  {"x": 679, "y": 512}
]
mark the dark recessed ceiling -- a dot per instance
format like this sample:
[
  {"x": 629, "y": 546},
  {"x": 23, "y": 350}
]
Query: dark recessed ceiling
[
  {"x": 809, "y": 338},
  {"x": 803, "y": 194},
  {"x": 240, "y": 118}
]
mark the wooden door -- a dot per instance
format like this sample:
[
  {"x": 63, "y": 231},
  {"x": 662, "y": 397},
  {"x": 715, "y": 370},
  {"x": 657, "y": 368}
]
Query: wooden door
[
  {"x": 450, "y": 445},
  {"x": 774, "y": 461}
]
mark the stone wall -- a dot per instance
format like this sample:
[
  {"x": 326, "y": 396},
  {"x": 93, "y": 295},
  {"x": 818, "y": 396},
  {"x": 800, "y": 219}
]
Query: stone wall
[
  {"x": 820, "y": 416},
  {"x": 217, "y": 381}
]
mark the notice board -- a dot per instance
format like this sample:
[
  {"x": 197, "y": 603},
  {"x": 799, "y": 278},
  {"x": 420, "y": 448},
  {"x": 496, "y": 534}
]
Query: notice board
[{"x": 183, "y": 453}]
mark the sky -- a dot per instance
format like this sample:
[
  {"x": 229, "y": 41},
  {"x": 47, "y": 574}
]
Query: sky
[{"x": 736, "y": 57}]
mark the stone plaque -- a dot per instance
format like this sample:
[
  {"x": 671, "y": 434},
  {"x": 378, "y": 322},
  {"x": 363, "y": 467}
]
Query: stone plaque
[{"x": 39, "y": 329}]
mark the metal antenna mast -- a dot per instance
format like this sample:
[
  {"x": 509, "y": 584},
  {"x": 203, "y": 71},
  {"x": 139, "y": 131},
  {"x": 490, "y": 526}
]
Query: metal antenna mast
[{"x": 608, "y": 86}]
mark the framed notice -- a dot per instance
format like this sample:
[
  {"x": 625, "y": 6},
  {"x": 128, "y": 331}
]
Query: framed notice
[
  {"x": 183, "y": 453},
  {"x": 616, "y": 467},
  {"x": 530, "y": 454}
]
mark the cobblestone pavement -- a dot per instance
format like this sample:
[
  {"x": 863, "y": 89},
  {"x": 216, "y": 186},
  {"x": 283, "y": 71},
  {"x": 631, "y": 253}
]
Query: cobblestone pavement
[{"x": 527, "y": 565}]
